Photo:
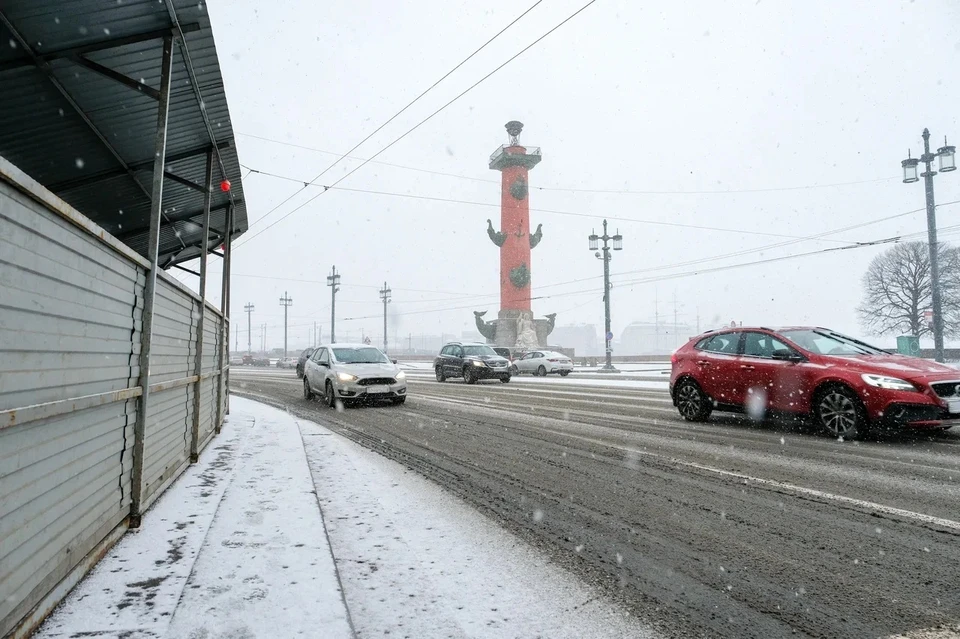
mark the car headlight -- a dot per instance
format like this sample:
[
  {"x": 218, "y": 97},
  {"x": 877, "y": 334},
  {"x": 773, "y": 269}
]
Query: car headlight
[
  {"x": 477, "y": 362},
  {"x": 346, "y": 377},
  {"x": 888, "y": 383},
  {"x": 401, "y": 375}
]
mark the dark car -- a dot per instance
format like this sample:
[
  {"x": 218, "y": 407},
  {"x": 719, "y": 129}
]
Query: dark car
[
  {"x": 845, "y": 385},
  {"x": 304, "y": 356},
  {"x": 471, "y": 361}
]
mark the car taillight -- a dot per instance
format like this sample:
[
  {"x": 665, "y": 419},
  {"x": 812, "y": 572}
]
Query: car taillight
[
  {"x": 673, "y": 358},
  {"x": 553, "y": 360}
]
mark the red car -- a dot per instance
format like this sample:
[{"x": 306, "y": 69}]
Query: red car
[{"x": 845, "y": 385}]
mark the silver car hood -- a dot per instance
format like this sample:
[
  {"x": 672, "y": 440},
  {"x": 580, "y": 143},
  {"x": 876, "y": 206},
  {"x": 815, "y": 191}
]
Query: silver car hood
[{"x": 368, "y": 370}]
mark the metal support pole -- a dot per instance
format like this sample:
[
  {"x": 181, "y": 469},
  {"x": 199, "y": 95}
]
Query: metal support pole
[
  {"x": 249, "y": 310},
  {"x": 227, "y": 266},
  {"x": 286, "y": 302},
  {"x": 927, "y": 159},
  {"x": 333, "y": 281},
  {"x": 150, "y": 288},
  {"x": 198, "y": 368},
  {"x": 606, "y": 304},
  {"x": 385, "y": 296}
]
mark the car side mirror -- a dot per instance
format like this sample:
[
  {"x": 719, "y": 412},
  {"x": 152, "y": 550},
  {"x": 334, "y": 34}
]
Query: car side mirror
[
  {"x": 394, "y": 361},
  {"x": 787, "y": 355}
]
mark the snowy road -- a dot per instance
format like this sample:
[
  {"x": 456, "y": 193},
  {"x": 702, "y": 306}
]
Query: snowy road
[{"x": 728, "y": 529}]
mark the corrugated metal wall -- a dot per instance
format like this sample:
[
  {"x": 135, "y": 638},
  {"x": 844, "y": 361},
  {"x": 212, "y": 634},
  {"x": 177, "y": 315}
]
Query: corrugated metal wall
[{"x": 70, "y": 317}]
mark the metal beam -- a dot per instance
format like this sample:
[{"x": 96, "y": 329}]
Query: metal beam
[
  {"x": 116, "y": 76},
  {"x": 150, "y": 288},
  {"x": 188, "y": 63},
  {"x": 171, "y": 218},
  {"x": 45, "y": 68},
  {"x": 93, "y": 178},
  {"x": 195, "y": 431},
  {"x": 185, "y": 269},
  {"x": 100, "y": 45},
  {"x": 184, "y": 181},
  {"x": 223, "y": 390}
]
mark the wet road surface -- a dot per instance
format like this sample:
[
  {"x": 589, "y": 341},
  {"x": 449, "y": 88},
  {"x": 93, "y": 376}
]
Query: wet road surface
[{"x": 725, "y": 529}]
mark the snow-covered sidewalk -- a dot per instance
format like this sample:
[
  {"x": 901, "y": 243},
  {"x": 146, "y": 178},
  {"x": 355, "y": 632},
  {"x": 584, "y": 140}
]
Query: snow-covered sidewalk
[{"x": 238, "y": 548}]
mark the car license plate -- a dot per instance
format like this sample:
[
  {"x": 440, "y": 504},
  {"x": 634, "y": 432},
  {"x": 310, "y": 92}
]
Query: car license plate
[
  {"x": 953, "y": 405},
  {"x": 378, "y": 390}
]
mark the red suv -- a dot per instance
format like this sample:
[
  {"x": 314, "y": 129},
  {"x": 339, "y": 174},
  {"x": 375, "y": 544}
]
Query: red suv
[{"x": 847, "y": 386}]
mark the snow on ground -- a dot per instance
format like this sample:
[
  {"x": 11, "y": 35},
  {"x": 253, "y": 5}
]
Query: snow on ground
[
  {"x": 418, "y": 562},
  {"x": 235, "y": 548},
  {"x": 238, "y": 548}
]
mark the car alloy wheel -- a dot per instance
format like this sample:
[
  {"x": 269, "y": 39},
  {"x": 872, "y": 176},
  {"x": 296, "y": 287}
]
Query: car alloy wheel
[
  {"x": 514, "y": 370},
  {"x": 468, "y": 376},
  {"x": 440, "y": 376},
  {"x": 542, "y": 371},
  {"x": 691, "y": 402},
  {"x": 838, "y": 413}
]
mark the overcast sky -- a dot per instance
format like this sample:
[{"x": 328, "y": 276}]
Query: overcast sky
[{"x": 654, "y": 102}]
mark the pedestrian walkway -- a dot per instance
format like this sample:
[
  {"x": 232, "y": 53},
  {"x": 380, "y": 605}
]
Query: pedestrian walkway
[
  {"x": 235, "y": 548},
  {"x": 238, "y": 548}
]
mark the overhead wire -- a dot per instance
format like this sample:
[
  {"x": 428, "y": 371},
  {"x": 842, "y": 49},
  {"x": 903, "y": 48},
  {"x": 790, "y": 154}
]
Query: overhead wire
[
  {"x": 576, "y": 189},
  {"x": 421, "y": 122},
  {"x": 401, "y": 111},
  {"x": 429, "y": 198}
]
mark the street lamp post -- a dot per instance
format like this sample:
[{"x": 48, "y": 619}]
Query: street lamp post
[
  {"x": 249, "y": 309},
  {"x": 333, "y": 281},
  {"x": 286, "y": 302},
  {"x": 946, "y": 154},
  {"x": 385, "y": 296},
  {"x": 606, "y": 256}
]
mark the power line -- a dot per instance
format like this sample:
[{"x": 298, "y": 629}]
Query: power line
[
  {"x": 423, "y": 121},
  {"x": 400, "y": 112},
  {"x": 548, "y": 211},
  {"x": 569, "y": 189}
]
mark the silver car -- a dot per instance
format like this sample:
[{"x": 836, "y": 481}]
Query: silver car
[
  {"x": 542, "y": 363},
  {"x": 348, "y": 373}
]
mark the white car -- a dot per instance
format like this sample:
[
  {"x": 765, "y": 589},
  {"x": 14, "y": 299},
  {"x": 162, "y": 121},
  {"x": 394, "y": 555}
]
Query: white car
[
  {"x": 348, "y": 373},
  {"x": 236, "y": 361},
  {"x": 542, "y": 363}
]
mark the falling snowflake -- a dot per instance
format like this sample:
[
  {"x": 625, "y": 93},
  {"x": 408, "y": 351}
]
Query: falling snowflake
[
  {"x": 13, "y": 43},
  {"x": 82, "y": 29},
  {"x": 619, "y": 558},
  {"x": 579, "y": 548},
  {"x": 106, "y": 31},
  {"x": 79, "y": 163},
  {"x": 538, "y": 515}
]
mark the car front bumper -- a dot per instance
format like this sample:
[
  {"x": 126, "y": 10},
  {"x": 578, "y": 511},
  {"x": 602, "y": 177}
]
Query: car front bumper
[
  {"x": 353, "y": 390},
  {"x": 491, "y": 372},
  {"x": 921, "y": 416}
]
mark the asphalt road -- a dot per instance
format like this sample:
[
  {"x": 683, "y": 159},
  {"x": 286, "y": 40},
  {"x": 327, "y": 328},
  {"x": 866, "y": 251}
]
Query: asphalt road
[{"x": 724, "y": 529}]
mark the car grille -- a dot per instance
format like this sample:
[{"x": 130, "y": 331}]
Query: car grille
[
  {"x": 946, "y": 389},
  {"x": 377, "y": 381}
]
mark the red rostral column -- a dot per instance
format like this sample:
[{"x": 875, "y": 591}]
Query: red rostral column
[{"x": 514, "y": 239}]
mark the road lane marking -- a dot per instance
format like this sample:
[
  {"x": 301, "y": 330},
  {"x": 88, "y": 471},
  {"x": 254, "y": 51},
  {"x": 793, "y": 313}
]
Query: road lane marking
[{"x": 862, "y": 504}]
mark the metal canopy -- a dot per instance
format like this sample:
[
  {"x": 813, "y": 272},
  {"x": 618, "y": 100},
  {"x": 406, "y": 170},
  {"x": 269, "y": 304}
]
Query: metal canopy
[{"x": 79, "y": 82}]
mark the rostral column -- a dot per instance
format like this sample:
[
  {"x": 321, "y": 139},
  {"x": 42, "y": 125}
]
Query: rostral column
[{"x": 515, "y": 326}]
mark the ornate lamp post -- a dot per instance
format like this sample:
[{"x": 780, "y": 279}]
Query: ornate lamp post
[
  {"x": 947, "y": 155},
  {"x": 606, "y": 256}
]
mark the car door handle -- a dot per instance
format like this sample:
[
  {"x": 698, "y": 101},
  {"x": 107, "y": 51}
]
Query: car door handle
[
  {"x": 747, "y": 367},
  {"x": 703, "y": 363}
]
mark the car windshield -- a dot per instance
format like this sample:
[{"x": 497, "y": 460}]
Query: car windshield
[
  {"x": 824, "y": 342},
  {"x": 479, "y": 351},
  {"x": 366, "y": 355}
]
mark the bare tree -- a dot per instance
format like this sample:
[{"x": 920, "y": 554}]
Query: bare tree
[{"x": 897, "y": 290}]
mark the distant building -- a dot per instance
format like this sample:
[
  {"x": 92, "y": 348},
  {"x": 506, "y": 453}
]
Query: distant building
[
  {"x": 649, "y": 338},
  {"x": 582, "y": 338}
]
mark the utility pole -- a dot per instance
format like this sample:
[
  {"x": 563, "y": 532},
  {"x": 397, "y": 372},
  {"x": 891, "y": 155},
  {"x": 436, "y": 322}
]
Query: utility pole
[
  {"x": 606, "y": 257},
  {"x": 385, "y": 296},
  {"x": 249, "y": 310},
  {"x": 947, "y": 163},
  {"x": 236, "y": 339},
  {"x": 333, "y": 281},
  {"x": 286, "y": 302},
  {"x": 674, "y": 318}
]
